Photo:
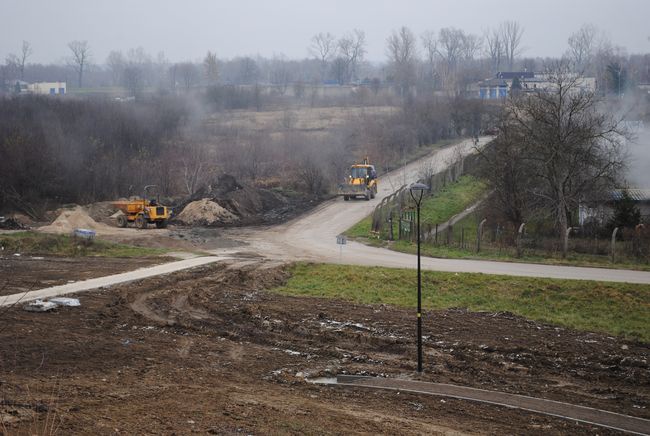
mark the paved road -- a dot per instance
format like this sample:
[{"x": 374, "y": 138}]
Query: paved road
[{"x": 313, "y": 237}]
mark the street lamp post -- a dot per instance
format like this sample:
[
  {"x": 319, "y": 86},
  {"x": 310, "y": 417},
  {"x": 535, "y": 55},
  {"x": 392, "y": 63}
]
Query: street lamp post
[{"x": 419, "y": 188}]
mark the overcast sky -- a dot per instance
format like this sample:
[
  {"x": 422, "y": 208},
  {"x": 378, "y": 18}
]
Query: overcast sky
[{"x": 185, "y": 30}]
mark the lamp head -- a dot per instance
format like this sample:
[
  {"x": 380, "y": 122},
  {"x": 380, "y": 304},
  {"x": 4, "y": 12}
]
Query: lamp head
[{"x": 418, "y": 187}]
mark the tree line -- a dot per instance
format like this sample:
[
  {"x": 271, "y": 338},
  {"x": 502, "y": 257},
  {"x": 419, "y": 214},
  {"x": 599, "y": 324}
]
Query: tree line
[{"x": 448, "y": 59}]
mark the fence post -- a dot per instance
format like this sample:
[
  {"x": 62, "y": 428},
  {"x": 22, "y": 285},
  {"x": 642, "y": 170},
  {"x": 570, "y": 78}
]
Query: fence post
[
  {"x": 436, "y": 234},
  {"x": 519, "y": 236},
  {"x": 479, "y": 234},
  {"x": 614, "y": 244},
  {"x": 390, "y": 224},
  {"x": 462, "y": 237},
  {"x": 450, "y": 234}
]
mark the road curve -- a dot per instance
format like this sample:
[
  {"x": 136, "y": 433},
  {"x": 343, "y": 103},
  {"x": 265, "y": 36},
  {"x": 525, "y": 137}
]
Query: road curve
[{"x": 312, "y": 237}]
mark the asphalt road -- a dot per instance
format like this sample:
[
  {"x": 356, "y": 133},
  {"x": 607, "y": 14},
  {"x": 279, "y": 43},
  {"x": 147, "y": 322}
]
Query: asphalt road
[{"x": 313, "y": 237}]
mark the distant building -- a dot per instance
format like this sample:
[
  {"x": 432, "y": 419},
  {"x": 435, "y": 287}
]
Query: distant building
[
  {"x": 40, "y": 88},
  {"x": 604, "y": 209},
  {"x": 47, "y": 88},
  {"x": 501, "y": 85}
]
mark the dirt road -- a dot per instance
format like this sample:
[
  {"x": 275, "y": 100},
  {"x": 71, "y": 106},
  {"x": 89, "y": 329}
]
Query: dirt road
[{"x": 313, "y": 237}]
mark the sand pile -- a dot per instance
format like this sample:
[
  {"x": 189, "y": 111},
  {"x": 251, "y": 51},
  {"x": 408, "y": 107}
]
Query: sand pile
[
  {"x": 71, "y": 219},
  {"x": 205, "y": 213}
]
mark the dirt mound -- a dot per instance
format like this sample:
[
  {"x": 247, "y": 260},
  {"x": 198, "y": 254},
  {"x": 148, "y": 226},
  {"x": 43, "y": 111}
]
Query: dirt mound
[
  {"x": 102, "y": 211},
  {"x": 71, "y": 219},
  {"x": 206, "y": 213}
]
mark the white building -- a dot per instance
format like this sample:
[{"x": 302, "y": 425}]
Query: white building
[{"x": 47, "y": 88}]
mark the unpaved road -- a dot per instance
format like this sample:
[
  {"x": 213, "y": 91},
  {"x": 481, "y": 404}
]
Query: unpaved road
[{"x": 313, "y": 237}]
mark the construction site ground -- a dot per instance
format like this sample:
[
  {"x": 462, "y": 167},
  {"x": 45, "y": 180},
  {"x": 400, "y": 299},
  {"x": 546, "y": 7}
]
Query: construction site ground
[{"x": 212, "y": 350}]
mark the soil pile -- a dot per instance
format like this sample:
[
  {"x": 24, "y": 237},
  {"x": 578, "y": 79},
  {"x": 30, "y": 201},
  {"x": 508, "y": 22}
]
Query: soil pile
[
  {"x": 206, "y": 213},
  {"x": 102, "y": 211},
  {"x": 71, "y": 219}
]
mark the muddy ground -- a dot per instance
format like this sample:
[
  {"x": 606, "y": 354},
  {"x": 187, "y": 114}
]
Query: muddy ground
[
  {"x": 28, "y": 273},
  {"x": 212, "y": 351}
]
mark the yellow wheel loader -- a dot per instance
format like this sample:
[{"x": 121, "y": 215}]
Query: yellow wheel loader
[
  {"x": 142, "y": 212},
  {"x": 362, "y": 182}
]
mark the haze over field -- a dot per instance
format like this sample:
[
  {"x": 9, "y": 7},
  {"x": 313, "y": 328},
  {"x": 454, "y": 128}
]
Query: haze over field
[{"x": 185, "y": 30}]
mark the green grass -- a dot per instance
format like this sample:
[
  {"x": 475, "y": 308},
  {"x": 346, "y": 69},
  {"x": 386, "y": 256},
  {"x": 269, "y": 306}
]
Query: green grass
[
  {"x": 437, "y": 208},
  {"x": 32, "y": 243},
  {"x": 613, "y": 308}
]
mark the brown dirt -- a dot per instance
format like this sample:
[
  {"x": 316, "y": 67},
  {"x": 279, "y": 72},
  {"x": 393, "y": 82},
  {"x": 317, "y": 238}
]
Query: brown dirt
[
  {"x": 70, "y": 219},
  {"x": 209, "y": 350},
  {"x": 28, "y": 273},
  {"x": 205, "y": 213}
]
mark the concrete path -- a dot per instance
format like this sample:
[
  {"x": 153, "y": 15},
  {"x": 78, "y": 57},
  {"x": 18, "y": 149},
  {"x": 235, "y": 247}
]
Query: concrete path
[
  {"x": 106, "y": 281},
  {"x": 603, "y": 418}
]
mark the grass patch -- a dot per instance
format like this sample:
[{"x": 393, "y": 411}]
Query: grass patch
[
  {"x": 613, "y": 308},
  {"x": 32, "y": 243},
  {"x": 437, "y": 208}
]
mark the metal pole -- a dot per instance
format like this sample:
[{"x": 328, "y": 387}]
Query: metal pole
[{"x": 419, "y": 295}]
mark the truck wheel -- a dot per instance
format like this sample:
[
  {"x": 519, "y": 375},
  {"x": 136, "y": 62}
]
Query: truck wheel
[
  {"x": 346, "y": 197},
  {"x": 372, "y": 193},
  {"x": 122, "y": 221},
  {"x": 140, "y": 222},
  {"x": 161, "y": 224}
]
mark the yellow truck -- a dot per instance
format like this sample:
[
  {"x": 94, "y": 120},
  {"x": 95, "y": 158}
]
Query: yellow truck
[
  {"x": 142, "y": 212},
  {"x": 362, "y": 182}
]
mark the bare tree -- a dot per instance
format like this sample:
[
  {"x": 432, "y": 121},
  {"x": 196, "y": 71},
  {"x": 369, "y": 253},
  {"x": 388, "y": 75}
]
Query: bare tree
[
  {"x": 195, "y": 166},
  {"x": 471, "y": 46},
  {"x": 281, "y": 73},
  {"x": 430, "y": 44},
  {"x": 80, "y": 57},
  {"x": 511, "y": 34},
  {"x": 323, "y": 48},
  {"x": 450, "y": 48},
  {"x": 116, "y": 64},
  {"x": 210, "y": 68},
  {"x": 402, "y": 54},
  {"x": 494, "y": 48},
  {"x": 352, "y": 48},
  {"x": 572, "y": 148},
  {"x": 187, "y": 73},
  {"x": 248, "y": 70},
  {"x": 25, "y": 52},
  {"x": 581, "y": 46}
]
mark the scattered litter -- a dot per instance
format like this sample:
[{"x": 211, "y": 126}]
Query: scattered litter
[
  {"x": 84, "y": 234},
  {"x": 40, "y": 306},
  {"x": 17, "y": 254},
  {"x": 64, "y": 301}
]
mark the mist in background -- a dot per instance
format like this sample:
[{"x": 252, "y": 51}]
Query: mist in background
[
  {"x": 185, "y": 30},
  {"x": 639, "y": 161}
]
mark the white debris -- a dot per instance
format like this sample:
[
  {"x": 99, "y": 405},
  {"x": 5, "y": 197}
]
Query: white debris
[
  {"x": 63, "y": 301},
  {"x": 40, "y": 306}
]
